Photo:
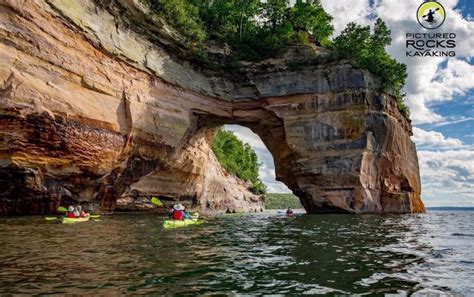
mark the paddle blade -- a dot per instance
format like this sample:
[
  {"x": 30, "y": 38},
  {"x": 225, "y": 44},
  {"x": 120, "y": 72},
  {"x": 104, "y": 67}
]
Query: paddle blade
[
  {"x": 156, "y": 201},
  {"x": 50, "y": 218},
  {"x": 62, "y": 209}
]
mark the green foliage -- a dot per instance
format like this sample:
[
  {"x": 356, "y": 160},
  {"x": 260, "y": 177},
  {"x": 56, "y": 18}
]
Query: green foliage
[
  {"x": 281, "y": 201},
  {"x": 226, "y": 19},
  {"x": 368, "y": 51},
  {"x": 274, "y": 12},
  {"x": 255, "y": 30},
  {"x": 311, "y": 18},
  {"x": 238, "y": 159},
  {"x": 184, "y": 17}
]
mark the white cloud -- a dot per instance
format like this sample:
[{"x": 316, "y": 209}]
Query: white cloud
[
  {"x": 453, "y": 121},
  {"x": 456, "y": 79},
  {"x": 433, "y": 139},
  {"x": 447, "y": 176},
  {"x": 344, "y": 12}
]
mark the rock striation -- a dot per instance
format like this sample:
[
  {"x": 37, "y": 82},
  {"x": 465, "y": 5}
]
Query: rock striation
[{"x": 98, "y": 103}]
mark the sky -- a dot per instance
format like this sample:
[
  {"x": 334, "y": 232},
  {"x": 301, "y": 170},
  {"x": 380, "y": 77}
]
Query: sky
[{"x": 440, "y": 94}]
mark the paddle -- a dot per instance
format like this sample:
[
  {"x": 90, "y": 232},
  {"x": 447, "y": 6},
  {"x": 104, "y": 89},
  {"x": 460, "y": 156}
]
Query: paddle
[
  {"x": 156, "y": 201},
  {"x": 60, "y": 209}
]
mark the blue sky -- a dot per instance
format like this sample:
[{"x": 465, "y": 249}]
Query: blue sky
[{"x": 440, "y": 94}]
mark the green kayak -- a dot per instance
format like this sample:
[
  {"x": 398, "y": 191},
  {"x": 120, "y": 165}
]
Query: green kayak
[
  {"x": 169, "y": 224},
  {"x": 75, "y": 220}
]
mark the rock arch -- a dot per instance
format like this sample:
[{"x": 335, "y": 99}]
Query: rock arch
[{"x": 89, "y": 106}]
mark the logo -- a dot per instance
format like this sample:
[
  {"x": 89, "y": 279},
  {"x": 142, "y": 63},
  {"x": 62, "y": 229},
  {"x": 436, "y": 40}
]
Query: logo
[{"x": 431, "y": 15}]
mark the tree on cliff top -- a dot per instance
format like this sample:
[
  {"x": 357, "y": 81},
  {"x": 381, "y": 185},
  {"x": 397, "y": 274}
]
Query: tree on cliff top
[
  {"x": 238, "y": 159},
  {"x": 184, "y": 17},
  {"x": 255, "y": 30}
]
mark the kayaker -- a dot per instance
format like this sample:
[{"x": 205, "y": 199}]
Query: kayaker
[
  {"x": 77, "y": 212},
  {"x": 70, "y": 212},
  {"x": 187, "y": 215},
  {"x": 177, "y": 213},
  {"x": 289, "y": 211},
  {"x": 82, "y": 214}
]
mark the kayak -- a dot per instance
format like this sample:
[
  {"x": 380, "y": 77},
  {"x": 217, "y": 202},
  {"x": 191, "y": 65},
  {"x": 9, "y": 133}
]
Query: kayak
[
  {"x": 75, "y": 220},
  {"x": 169, "y": 224}
]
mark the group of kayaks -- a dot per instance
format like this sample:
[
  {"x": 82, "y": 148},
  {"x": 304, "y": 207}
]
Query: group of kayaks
[{"x": 167, "y": 223}]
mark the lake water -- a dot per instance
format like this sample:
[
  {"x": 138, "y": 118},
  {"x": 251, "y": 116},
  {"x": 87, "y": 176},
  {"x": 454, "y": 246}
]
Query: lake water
[{"x": 247, "y": 254}]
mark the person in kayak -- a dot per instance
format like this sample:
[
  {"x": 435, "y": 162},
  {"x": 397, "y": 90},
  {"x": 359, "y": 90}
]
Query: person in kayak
[
  {"x": 82, "y": 214},
  {"x": 177, "y": 212},
  {"x": 70, "y": 212},
  {"x": 289, "y": 211},
  {"x": 187, "y": 215},
  {"x": 77, "y": 212}
]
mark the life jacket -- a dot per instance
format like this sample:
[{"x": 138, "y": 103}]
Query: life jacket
[
  {"x": 83, "y": 214},
  {"x": 70, "y": 215},
  {"x": 178, "y": 215}
]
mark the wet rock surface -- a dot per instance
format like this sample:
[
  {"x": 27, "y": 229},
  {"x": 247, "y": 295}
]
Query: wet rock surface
[{"x": 93, "y": 109}]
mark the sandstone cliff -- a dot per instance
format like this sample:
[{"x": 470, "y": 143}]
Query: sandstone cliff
[
  {"x": 97, "y": 101},
  {"x": 195, "y": 179}
]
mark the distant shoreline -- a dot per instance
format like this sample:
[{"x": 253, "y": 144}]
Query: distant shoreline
[{"x": 454, "y": 208}]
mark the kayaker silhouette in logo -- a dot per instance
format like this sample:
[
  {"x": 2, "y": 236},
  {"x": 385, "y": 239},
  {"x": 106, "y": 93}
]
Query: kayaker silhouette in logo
[{"x": 429, "y": 17}]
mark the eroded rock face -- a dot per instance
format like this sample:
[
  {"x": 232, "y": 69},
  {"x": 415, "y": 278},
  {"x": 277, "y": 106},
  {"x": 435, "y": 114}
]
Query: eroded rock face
[
  {"x": 93, "y": 109},
  {"x": 196, "y": 180}
]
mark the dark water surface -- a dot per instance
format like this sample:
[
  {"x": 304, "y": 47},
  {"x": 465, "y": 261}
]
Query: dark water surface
[{"x": 247, "y": 254}]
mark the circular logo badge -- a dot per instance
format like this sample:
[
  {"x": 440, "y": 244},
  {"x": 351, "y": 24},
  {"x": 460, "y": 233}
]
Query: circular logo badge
[{"x": 431, "y": 15}]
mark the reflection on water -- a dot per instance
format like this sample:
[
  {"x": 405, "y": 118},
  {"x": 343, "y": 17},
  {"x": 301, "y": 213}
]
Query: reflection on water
[{"x": 254, "y": 253}]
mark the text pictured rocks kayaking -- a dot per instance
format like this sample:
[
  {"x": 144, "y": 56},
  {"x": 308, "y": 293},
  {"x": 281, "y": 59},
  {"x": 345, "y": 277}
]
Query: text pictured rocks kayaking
[{"x": 430, "y": 44}]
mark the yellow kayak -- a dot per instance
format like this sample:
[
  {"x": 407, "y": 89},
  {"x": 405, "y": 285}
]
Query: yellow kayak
[
  {"x": 75, "y": 220},
  {"x": 169, "y": 224}
]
